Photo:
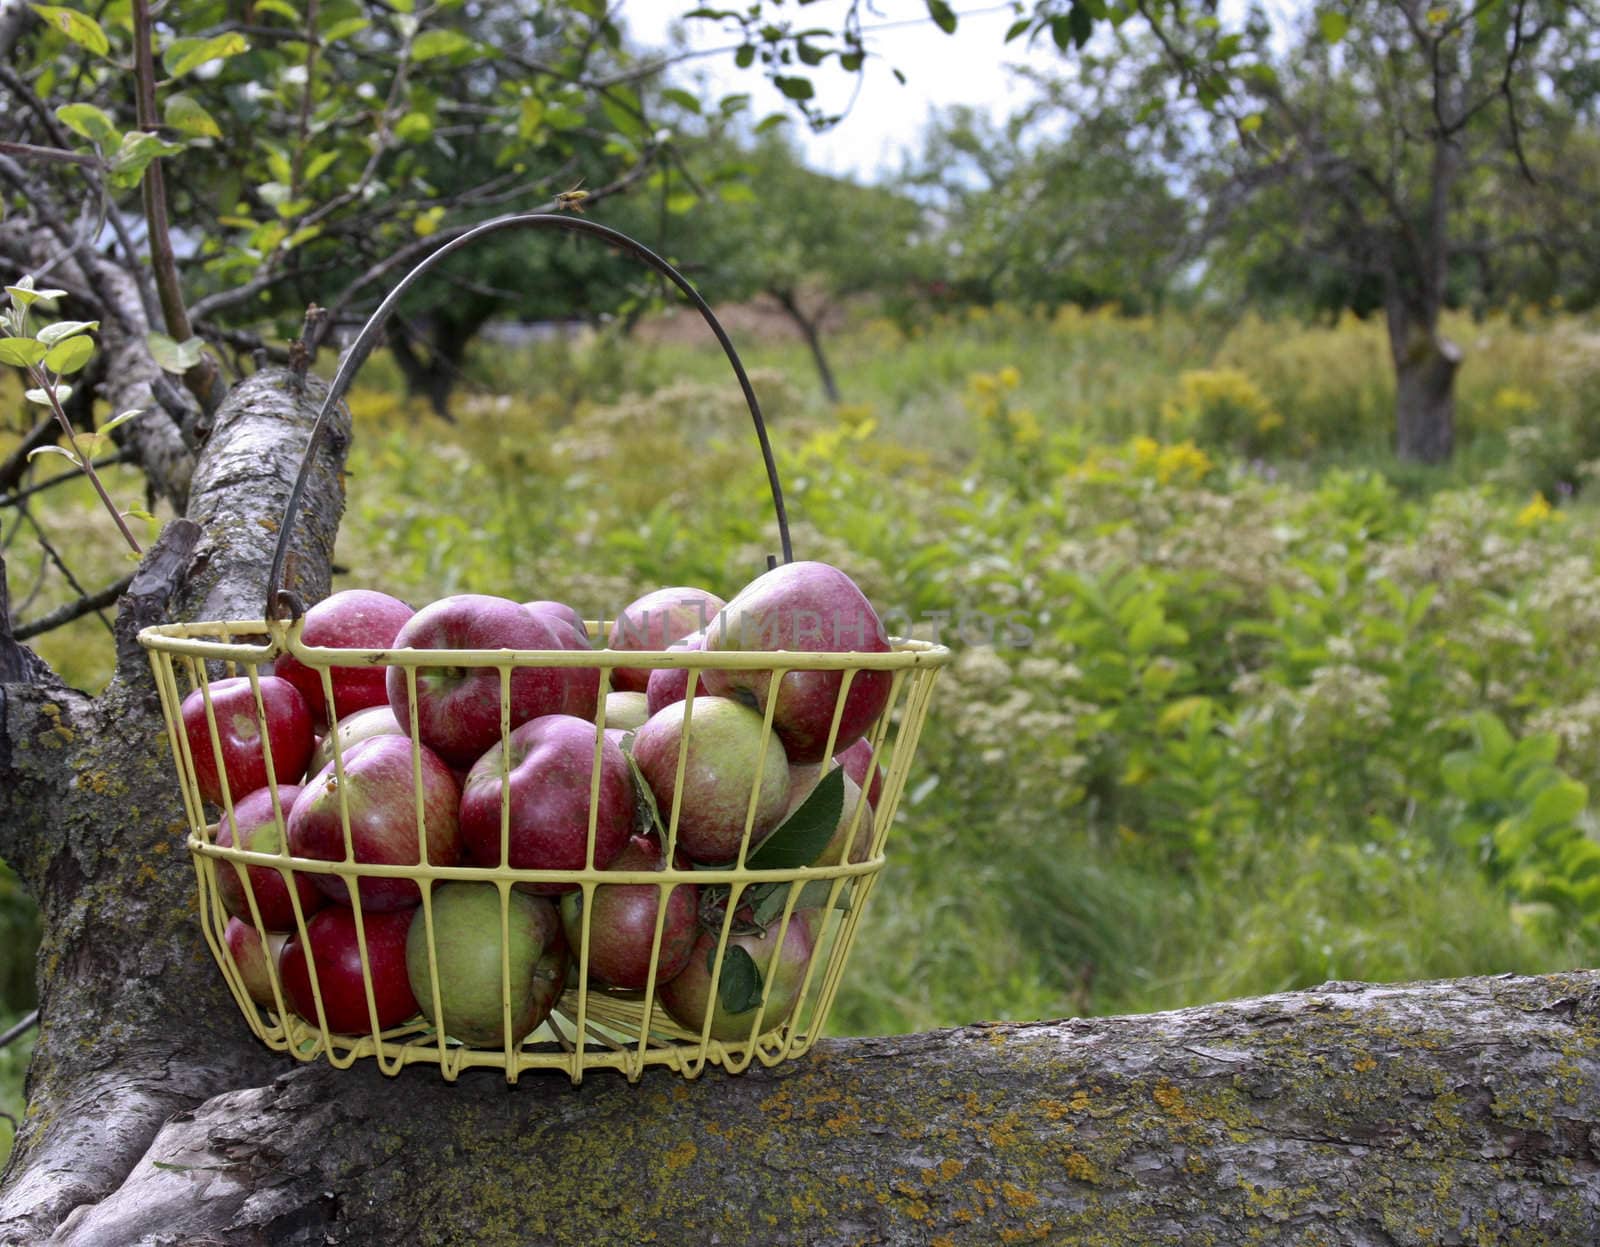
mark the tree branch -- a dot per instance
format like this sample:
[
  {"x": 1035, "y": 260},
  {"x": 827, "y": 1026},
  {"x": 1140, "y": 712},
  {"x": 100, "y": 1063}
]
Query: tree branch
[
  {"x": 1348, "y": 1114},
  {"x": 84, "y": 605}
]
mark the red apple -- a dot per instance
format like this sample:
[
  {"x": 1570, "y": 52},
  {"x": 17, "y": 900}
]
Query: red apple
[
  {"x": 723, "y": 765},
  {"x": 583, "y": 683},
  {"x": 814, "y": 608},
  {"x": 669, "y": 685},
  {"x": 381, "y": 801},
  {"x": 362, "y": 725},
  {"x": 688, "y": 996},
  {"x": 349, "y": 619},
  {"x": 244, "y": 762},
  {"x": 260, "y": 832},
  {"x": 622, "y": 923},
  {"x": 551, "y": 765},
  {"x": 256, "y": 961},
  {"x": 855, "y": 761},
  {"x": 655, "y": 621},
  {"x": 467, "y": 944},
  {"x": 458, "y": 708},
  {"x": 337, "y": 956},
  {"x": 570, "y": 615}
]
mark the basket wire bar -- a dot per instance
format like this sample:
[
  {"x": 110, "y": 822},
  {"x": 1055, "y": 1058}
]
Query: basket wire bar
[{"x": 589, "y": 1025}]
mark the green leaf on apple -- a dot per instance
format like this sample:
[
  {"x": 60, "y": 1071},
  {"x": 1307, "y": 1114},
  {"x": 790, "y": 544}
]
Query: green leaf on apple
[
  {"x": 739, "y": 988},
  {"x": 641, "y": 788},
  {"x": 806, "y": 832}
]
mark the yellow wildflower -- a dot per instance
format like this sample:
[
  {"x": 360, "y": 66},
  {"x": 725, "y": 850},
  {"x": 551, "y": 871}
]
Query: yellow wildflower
[{"x": 1536, "y": 512}]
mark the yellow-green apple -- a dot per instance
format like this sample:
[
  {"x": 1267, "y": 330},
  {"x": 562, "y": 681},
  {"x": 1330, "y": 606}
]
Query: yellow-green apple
[
  {"x": 334, "y": 950},
  {"x": 256, "y": 828},
  {"x": 256, "y": 961},
  {"x": 729, "y": 756},
  {"x": 688, "y": 996},
  {"x": 458, "y": 707},
  {"x": 626, "y": 711},
  {"x": 622, "y": 921},
  {"x": 349, "y": 619},
  {"x": 551, "y": 769},
  {"x": 381, "y": 800},
  {"x": 362, "y": 725},
  {"x": 467, "y": 945},
  {"x": 655, "y": 621},
  {"x": 239, "y": 735}
]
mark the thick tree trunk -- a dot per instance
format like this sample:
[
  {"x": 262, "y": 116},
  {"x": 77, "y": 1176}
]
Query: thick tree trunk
[
  {"x": 1425, "y": 364},
  {"x": 135, "y": 1022},
  {"x": 1443, "y": 1113},
  {"x": 432, "y": 377}
]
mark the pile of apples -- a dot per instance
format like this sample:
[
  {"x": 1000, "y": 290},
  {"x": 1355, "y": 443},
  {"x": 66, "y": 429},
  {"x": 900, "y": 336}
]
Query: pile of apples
[{"x": 463, "y": 794}]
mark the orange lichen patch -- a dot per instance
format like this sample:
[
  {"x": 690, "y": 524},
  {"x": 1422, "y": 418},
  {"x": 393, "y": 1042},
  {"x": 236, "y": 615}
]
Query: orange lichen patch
[
  {"x": 942, "y": 1240},
  {"x": 1364, "y": 1063},
  {"x": 1004, "y": 1132},
  {"x": 1017, "y": 1197},
  {"x": 1080, "y": 1102},
  {"x": 1080, "y": 1168},
  {"x": 1055, "y": 1110},
  {"x": 1028, "y": 1233},
  {"x": 779, "y": 1104},
  {"x": 840, "y": 1123},
  {"x": 681, "y": 1156},
  {"x": 1172, "y": 1102}
]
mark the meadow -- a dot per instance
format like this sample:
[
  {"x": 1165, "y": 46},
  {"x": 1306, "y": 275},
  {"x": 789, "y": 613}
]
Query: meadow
[{"x": 1240, "y": 704}]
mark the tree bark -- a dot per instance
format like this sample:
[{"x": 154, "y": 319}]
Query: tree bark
[
  {"x": 135, "y": 1025},
  {"x": 1435, "y": 1113},
  {"x": 1425, "y": 365}
]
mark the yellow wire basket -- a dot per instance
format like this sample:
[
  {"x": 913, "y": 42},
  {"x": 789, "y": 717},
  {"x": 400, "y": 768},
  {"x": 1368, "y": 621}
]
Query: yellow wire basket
[{"x": 773, "y": 927}]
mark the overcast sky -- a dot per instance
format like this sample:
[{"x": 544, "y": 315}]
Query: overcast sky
[{"x": 968, "y": 67}]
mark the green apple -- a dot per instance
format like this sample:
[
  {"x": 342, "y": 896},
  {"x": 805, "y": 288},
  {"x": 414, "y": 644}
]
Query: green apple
[
  {"x": 467, "y": 943},
  {"x": 729, "y": 753},
  {"x": 626, "y": 711},
  {"x": 687, "y": 996}
]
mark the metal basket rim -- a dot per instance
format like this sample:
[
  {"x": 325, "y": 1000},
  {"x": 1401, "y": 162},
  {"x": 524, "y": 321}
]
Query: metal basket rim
[{"x": 204, "y": 639}]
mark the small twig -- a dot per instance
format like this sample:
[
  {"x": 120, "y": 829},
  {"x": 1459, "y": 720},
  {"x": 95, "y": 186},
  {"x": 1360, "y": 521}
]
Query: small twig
[
  {"x": 105, "y": 461},
  {"x": 17, "y": 1032},
  {"x": 37, "y": 376},
  {"x": 49, "y": 155},
  {"x": 74, "y": 610},
  {"x": 55, "y": 558}
]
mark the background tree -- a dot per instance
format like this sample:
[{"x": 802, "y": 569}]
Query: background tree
[
  {"x": 807, "y": 241},
  {"x": 1384, "y": 138},
  {"x": 1038, "y": 213}
]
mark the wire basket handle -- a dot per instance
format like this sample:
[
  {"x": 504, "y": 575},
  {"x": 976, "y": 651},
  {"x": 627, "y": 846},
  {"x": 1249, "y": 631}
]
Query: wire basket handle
[{"x": 285, "y": 603}]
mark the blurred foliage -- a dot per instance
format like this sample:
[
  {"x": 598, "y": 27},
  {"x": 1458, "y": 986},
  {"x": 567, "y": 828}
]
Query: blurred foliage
[{"x": 1220, "y": 719}]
